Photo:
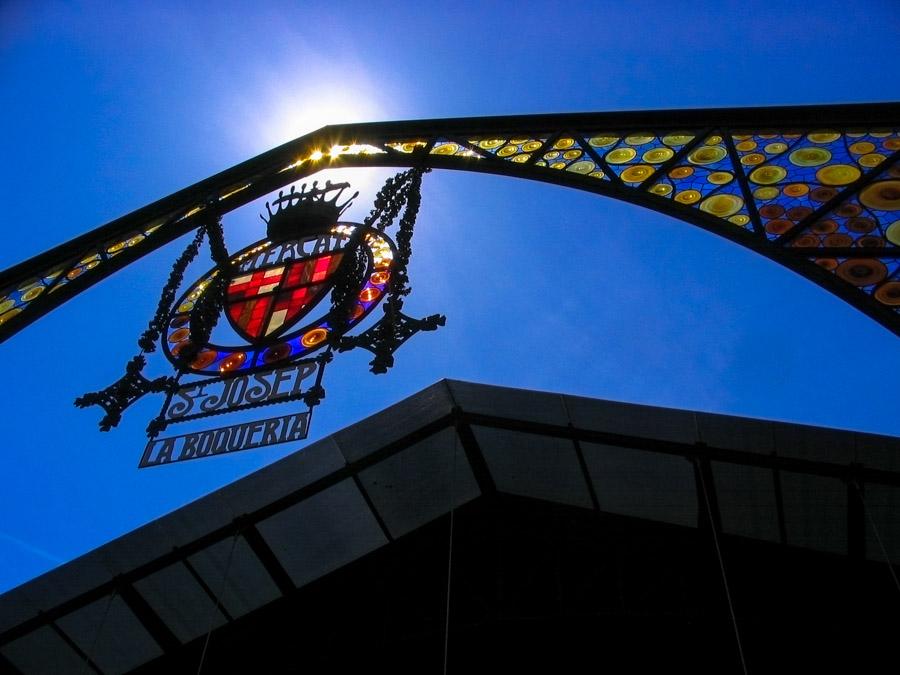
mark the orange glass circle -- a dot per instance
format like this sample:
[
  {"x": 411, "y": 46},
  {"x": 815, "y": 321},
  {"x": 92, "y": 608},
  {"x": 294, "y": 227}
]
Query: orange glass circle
[
  {"x": 232, "y": 362},
  {"x": 277, "y": 352},
  {"x": 778, "y": 227},
  {"x": 838, "y": 240},
  {"x": 380, "y": 278},
  {"x": 314, "y": 337},
  {"x": 889, "y": 294},
  {"x": 369, "y": 294},
  {"x": 824, "y": 227},
  {"x": 204, "y": 359},
  {"x": 862, "y": 272},
  {"x": 796, "y": 189},
  {"x": 806, "y": 241},
  {"x": 860, "y": 225},
  {"x": 179, "y": 335},
  {"x": 829, "y": 264},
  {"x": 681, "y": 172}
]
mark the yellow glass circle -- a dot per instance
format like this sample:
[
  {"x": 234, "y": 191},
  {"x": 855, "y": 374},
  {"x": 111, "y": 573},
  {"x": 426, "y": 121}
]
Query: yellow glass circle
[
  {"x": 753, "y": 159},
  {"x": 638, "y": 139},
  {"x": 893, "y": 232},
  {"x": 7, "y": 304},
  {"x": 186, "y": 307},
  {"x": 621, "y": 155},
  {"x": 91, "y": 265},
  {"x": 739, "y": 219},
  {"x": 603, "y": 141},
  {"x": 688, "y": 197},
  {"x": 115, "y": 248},
  {"x": 862, "y": 148},
  {"x": 517, "y": 141},
  {"x": 582, "y": 167},
  {"x": 531, "y": 146},
  {"x": 558, "y": 165},
  {"x": 572, "y": 154},
  {"x": 879, "y": 134},
  {"x": 658, "y": 155},
  {"x": 775, "y": 148},
  {"x": 720, "y": 177},
  {"x": 713, "y": 140},
  {"x": 870, "y": 160},
  {"x": 882, "y": 196},
  {"x": 445, "y": 149},
  {"x": 507, "y": 150},
  {"x": 553, "y": 154},
  {"x": 722, "y": 205},
  {"x": 681, "y": 172},
  {"x": 663, "y": 189},
  {"x": 32, "y": 293},
  {"x": 707, "y": 154},
  {"x": 809, "y": 156},
  {"x": 767, "y": 175},
  {"x": 564, "y": 143},
  {"x": 314, "y": 337},
  {"x": 232, "y": 362},
  {"x": 521, "y": 159},
  {"x": 490, "y": 144},
  {"x": 746, "y": 146},
  {"x": 10, "y": 314},
  {"x": 796, "y": 189},
  {"x": 741, "y": 137},
  {"x": 768, "y": 136},
  {"x": 838, "y": 174},
  {"x": 677, "y": 139},
  {"x": 637, "y": 173},
  {"x": 135, "y": 240},
  {"x": 596, "y": 174},
  {"x": 824, "y": 137}
]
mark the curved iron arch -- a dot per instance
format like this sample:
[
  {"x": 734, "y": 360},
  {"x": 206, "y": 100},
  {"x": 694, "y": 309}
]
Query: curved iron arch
[{"x": 815, "y": 188}]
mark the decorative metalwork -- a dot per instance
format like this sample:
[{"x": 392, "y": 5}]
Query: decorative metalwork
[
  {"x": 266, "y": 290},
  {"x": 815, "y": 188},
  {"x": 122, "y": 393},
  {"x": 389, "y": 334}
]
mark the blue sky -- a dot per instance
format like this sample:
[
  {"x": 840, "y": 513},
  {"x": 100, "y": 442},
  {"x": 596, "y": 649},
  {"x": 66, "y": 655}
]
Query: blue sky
[{"x": 108, "y": 106}]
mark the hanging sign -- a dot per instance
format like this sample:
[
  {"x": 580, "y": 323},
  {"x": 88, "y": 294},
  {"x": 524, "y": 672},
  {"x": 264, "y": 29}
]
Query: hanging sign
[{"x": 290, "y": 301}]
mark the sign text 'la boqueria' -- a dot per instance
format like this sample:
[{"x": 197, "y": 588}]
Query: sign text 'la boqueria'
[{"x": 284, "y": 429}]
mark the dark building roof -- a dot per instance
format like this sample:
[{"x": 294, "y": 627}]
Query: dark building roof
[{"x": 151, "y": 597}]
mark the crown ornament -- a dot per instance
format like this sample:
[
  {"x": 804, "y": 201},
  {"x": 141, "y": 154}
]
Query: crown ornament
[{"x": 297, "y": 213}]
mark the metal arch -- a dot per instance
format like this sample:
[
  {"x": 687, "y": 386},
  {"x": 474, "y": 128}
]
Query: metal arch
[{"x": 36, "y": 286}]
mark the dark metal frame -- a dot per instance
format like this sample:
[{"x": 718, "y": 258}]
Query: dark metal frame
[{"x": 184, "y": 210}]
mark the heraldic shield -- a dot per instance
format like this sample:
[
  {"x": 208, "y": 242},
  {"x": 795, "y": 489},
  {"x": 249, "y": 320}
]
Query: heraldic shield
[{"x": 268, "y": 300}]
